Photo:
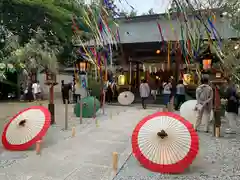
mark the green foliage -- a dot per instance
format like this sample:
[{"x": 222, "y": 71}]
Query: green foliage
[
  {"x": 151, "y": 12},
  {"x": 35, "y": 54},
  {"x": 38, "y": 53},
  {"x": 54, "y": 17},
  {"x": 133, "y": 13}
]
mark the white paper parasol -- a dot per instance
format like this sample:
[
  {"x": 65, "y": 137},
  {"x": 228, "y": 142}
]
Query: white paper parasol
[
  {"x": 126, "y": 98},
  {"x": 165, "y": 142},
  {"x": 187, "y": 111},
  {"x": 26, "y": 128}
]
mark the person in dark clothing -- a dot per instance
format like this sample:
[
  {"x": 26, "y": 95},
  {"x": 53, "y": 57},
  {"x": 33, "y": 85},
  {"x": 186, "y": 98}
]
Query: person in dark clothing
[
  {"x": 66, "y": 89},
  {"x": 109, "y": 94},
  {"x": 62, "y": 91},
  {"x": 29, "y": 94},
  {"x": 232, "y": 107},
  {"x": 180, "y": 94}
]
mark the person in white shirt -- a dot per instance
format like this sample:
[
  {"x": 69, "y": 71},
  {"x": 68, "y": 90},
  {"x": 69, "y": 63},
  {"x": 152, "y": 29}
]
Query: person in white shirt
[
  {"x": 144, "y": 92},
  {"x": 39, "y": 91},
  {"x": 167, "y": 86},
  {"x": 35, "y": 90}
]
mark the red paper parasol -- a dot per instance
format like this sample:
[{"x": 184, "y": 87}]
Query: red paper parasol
[
  {"x": 26, "y": 128},
  {"x": 165, "y": 142}
]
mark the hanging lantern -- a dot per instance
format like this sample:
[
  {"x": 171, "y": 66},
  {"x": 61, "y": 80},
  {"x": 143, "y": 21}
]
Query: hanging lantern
[
  {"x": 207, "y": 64},
  {"x": 83, "y": 66}
]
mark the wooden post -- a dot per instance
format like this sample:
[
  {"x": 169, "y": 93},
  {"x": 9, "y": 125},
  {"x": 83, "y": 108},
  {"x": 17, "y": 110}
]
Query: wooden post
[
  {"x": 104, "y": 97},
  {"x": 217, "y": 111},
  {"x": 115, "y": 161},
  {"x": 81, "y": 108},
  {"x": 94, "y": 112},
  {"x": 38, "y": 147},
  {"x": 73, "y": 132},
  {"x": 66, "y": 115},
  {"x": 217, "y": 134}
]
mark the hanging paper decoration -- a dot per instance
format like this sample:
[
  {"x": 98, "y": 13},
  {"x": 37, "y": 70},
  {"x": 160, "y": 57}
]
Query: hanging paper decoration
[
  {"x": 155, "y": 69},
  {"x": 150, "y": 69},
  {"x": 144, "y": 68},
  {"x": 162, "y": 66}
]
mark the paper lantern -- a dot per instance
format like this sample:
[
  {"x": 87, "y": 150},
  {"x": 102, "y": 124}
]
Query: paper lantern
[{"x": 207, "y": 64}]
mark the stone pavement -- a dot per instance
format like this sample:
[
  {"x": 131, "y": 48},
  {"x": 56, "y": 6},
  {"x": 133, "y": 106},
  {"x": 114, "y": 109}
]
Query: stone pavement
[
  {"x": 86, "y": 156},
  {"x": 218, "y": 159}
]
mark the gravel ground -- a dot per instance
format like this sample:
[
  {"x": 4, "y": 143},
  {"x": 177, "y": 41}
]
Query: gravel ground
[{"x": 218, "y": 158}]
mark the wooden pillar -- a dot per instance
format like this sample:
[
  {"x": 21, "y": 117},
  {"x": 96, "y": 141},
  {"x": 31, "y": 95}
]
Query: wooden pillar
[
  {"x": 147, "y": 76},
  {"x": 217, "y": 110},
  {"x": 130, "y": 72},
  {"x": 177, "y": 66},
  {"x": 137, "y": 75}
]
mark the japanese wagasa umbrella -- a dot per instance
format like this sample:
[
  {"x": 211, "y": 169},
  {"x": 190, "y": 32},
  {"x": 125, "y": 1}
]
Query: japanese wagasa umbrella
[
  {"x": 165, "y": 142},
  {"x": 187, "y": 111},
  {"x": 26, "y": 128},
  {"x": 126, "y": 98}
]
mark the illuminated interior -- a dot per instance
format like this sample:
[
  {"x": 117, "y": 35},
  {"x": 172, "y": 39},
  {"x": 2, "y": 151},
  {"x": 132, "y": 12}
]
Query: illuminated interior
[
  {"x": 121, "y": 80},
  {"x": 188, "y": 79}
]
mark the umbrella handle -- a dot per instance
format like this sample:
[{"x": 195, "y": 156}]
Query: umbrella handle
[{"x": 162, "y": 134}]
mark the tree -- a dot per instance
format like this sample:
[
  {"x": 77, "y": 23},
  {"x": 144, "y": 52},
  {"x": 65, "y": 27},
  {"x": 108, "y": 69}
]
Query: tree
[
  {"x": 132, "y": 13},
  {"x": 37, "y": 54},
  {"x": 231, "y": 58},
  {"x": 229, "y": 8},
  {"x": 150, "y": 11},
  {"x": 53, "y": 16}
]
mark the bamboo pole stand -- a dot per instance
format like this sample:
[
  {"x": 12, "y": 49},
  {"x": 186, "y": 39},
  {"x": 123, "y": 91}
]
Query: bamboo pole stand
[
  {"x": 73, "y": 132},
  {"x": 38, "y": 147},
  {"x": 217, "y": 132},
  {"x": 115, "y": 162}
]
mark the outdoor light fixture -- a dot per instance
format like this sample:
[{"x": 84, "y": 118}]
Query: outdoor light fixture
[
  {"x": 218, "y": 75},
  {"x": 207, "y": 64},
  {"x": 121, "y": 80},
  {"x": 83, "y": 66},
  {"x": 158, "y": 51},
  {"x": 236, "y": 47}
]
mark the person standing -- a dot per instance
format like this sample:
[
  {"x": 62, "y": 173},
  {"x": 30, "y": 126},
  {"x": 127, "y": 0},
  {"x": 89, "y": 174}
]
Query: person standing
[
  {"x": 114, "y": 90},
  {"x": 109, "y": 93},
  {"x": 232, "y": 108},
  {"x": 144, "y": 92},
  {"x": 167, "y": 86},
  {"x": 77, "y": 92},
  {"x": 29, "y": 92},
  {"x": 39, "y": 95},
  {"x": 35, "y": 90},
  {"x": 62, "y": 91},
  {"x": 154, "y": 88},
  {"x": 180, "y": 94},
  {"x": 204, "y": 96}
]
